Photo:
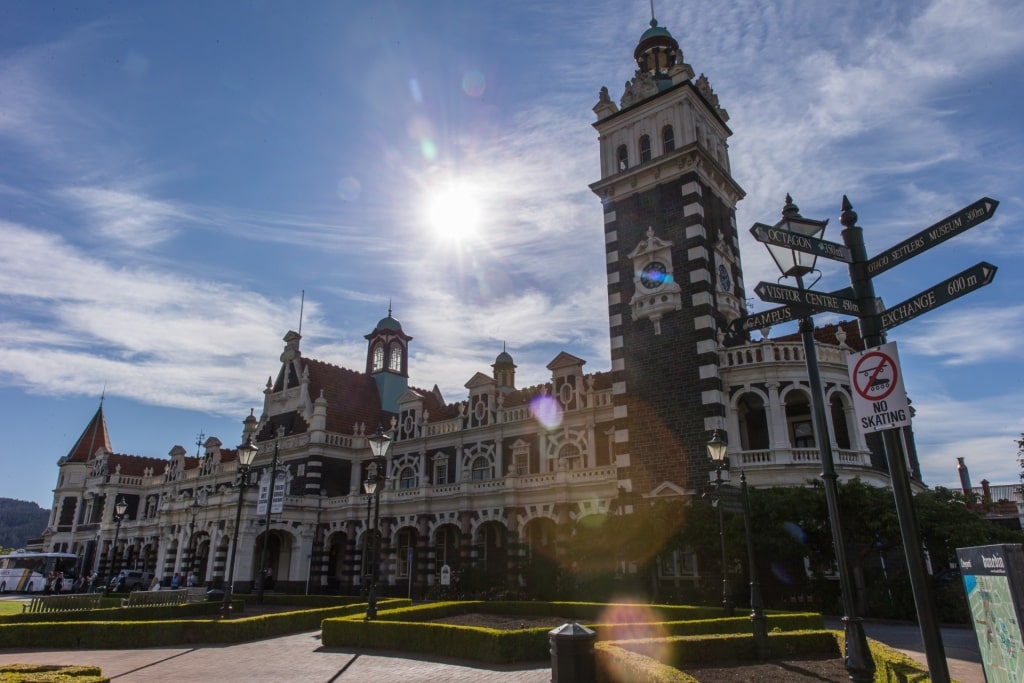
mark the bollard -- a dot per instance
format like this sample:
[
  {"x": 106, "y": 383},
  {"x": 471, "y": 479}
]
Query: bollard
[{"x": 572, "y": 654}]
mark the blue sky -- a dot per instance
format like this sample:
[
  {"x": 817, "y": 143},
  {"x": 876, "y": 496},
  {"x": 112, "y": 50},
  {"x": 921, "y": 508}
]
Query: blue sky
[{"x": 175, "y": 175}]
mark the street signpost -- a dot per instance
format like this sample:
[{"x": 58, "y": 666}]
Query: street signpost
[
  {"x": 950, "y": 226},
  {"x": 809, "y": 245},
  {"x": 816, "y": 301},
  {"x": 973, "y": 278}
]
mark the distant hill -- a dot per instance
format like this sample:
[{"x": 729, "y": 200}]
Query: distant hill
[{"x": 20, "y": 520}]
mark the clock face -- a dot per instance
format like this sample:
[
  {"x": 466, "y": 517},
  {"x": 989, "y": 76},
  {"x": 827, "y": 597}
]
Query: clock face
[
  {"x": 654, "y": 275},
  {"x": 723, "y": 278}
]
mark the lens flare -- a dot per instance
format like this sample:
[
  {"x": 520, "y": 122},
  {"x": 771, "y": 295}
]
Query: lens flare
[
  {"x": 474, "y": 83},
  {"x": 634, "y": 622},
  {"x": 349, "y": 189},
  {"x": 547, "y": 411},
  {"x": 795, "y": 531},
  {"x": 782, "y": 574}
]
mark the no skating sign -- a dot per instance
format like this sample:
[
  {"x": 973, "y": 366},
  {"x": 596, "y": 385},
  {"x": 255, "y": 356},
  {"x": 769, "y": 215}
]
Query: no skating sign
[{"x": 879, "y": 398}]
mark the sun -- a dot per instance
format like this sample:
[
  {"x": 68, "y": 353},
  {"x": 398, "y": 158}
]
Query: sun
[{"x": 454, "y": 211}]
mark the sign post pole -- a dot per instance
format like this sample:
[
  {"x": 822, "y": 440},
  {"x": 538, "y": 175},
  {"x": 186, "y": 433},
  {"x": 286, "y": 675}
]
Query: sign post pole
[{"x": 871, "y": 331}]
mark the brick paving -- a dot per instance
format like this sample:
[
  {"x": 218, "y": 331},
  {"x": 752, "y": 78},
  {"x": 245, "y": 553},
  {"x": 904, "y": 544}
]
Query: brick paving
[{"x": 297, "y": 657}]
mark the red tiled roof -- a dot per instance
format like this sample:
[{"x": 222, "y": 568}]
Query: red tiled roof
[
  {"x": 94, "y": 436},
  {"x": 351, "y": 397}
]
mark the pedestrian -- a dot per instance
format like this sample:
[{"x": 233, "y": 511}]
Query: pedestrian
[
  {"x": 58, "y": 582},
  {"x": 191, "y": 581},
  {"x": 154, "y": 585},
  {"x": 176, "y": 581}
]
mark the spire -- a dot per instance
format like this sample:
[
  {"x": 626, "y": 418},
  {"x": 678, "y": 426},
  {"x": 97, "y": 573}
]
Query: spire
[{"x": 94, "y": 436}]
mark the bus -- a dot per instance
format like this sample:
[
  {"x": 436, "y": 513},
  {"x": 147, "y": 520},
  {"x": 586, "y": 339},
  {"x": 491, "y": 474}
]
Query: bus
[{"x": 28, "y": 572}]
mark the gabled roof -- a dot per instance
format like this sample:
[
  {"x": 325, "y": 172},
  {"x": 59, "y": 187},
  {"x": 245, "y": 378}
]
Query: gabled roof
[
  {"x": 351, "y": 396},
  {"x": 94, "y": 436}
]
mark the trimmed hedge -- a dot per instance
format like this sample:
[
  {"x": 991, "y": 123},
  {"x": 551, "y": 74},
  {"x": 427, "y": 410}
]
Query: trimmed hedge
[
  {"x": 128, "y": 634},
  {"x": 410, "y": 629},
  {"x": 50, "y": 673},
  {"x": 891, "y": 666},
  {"x": 142, "y": 613}
]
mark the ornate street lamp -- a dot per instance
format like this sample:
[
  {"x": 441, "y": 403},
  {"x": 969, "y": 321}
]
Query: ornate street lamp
[
  {"x": 716, "y": 451},
  {"x": 375, "y": 477},
  {"x": 797, "y": 264},
  {"x": 120, "y": 508},
  {"x": 246, "y": 454},
  {"x": 270, "y": 504}
]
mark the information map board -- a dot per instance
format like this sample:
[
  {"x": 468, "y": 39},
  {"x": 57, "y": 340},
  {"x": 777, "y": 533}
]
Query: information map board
[{"x": 993, "y": 577}]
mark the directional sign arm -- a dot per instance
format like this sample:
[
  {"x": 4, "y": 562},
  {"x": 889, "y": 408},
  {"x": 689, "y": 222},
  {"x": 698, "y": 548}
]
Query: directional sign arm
[
  {"x": 768, "y": 234},
  {"x": 955, "y": 287},
  {"x": 773, "y": 316},
  {"x": 816, "y": 301},
  {"x": 950, "y": 226}
]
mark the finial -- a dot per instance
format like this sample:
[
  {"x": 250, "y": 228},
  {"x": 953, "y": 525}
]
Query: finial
[
  {"x": 199, "y": 442},
  {"x": 103, "y": 395},
  {"x": 848, "y": 217},
  {"x": 654, "y": 22},
  {"x": 302, "y": 306},
  {"x": 790, "y": 209},
  {"x": 389, "y": 306}
]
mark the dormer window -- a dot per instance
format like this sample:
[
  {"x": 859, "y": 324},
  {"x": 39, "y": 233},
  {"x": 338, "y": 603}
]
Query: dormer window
[
  {"x": 645, "y": 148},
  {"x": 668, "y": 139},
  {"x": 622, "y": 155},
  {"x": 378, "y": 357}
]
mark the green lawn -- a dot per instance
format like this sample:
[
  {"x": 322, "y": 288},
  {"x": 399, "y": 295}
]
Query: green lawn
[{"x": 11, "y": 606}]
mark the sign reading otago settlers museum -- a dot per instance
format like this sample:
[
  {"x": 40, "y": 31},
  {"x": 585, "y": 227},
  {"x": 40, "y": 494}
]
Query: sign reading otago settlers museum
[{"x": 879, "y": 398}]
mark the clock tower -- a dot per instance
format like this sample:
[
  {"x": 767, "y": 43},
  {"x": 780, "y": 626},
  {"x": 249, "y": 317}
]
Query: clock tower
[{"x": 672, "y": 257}]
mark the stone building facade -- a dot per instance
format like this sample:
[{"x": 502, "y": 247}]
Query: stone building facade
[{"x": 497, "y": 480}]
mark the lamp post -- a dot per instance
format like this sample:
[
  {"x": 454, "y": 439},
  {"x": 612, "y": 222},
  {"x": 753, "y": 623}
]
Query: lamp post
[
  {"x": 120, "y": 508},
  {"x": 379, "y": 445},
  {"x": 270, "y": 504},
  {"x": 797, "y": 264},
  {"x": 716, "y": 450},
  {"x": 194, "y": 508},
  {"x": 246, "y": 454},
  {"x": 758, "y": 621}
]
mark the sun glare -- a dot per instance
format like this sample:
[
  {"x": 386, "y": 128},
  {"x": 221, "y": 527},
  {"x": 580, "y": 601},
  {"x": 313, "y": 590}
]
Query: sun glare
[{"x": 454, "y": 212}]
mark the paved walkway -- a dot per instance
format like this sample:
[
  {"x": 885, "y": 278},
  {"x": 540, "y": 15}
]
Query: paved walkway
[
  {"x": 297, "y": 657},
  {"x": 963, "y": 658}
]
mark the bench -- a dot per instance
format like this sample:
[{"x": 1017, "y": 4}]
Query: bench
[
  {"x": 196, "y": 594},
  {"x": 62, "y": 603},
  {"x": 150, "y": 598}
]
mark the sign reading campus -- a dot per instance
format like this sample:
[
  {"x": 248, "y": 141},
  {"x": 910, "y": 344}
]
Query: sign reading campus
[{"x": 879, "y": 398}]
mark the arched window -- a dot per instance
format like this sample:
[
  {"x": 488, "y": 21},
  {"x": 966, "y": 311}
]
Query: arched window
[
  {"x": 753, "y": 422},
  {"x": 395, "y": 358},
  {"x": 839, "y": 426},
  {"x": 645, "y": 148},
  {"x": 378, "y": 357},
  {"x": 407, "y": 479},
  {"x": 570, "y": 455},
  {"x": 668, "y": 139},
  {"x": 481, "y": 469},
  {"x": 622, "y": 156},
  {"x": 798, "y": 415}
]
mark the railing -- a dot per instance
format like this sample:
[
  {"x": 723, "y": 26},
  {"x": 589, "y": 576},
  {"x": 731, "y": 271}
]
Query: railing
[
  {"x": 761, "y": 458},
  {"x": 771, "y": 353}
]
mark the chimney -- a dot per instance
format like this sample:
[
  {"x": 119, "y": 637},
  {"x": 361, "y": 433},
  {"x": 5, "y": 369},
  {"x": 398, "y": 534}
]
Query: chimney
[
  {"x": 986, "y": 494},
  {"x": 965, "y": 476}
]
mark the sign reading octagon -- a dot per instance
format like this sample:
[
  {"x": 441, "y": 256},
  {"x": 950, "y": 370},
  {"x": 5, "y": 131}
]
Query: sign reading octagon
[{"x": 879, "y": 398}]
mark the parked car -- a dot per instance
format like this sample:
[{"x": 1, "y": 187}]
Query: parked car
[{"x": 129, "y": 580}]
